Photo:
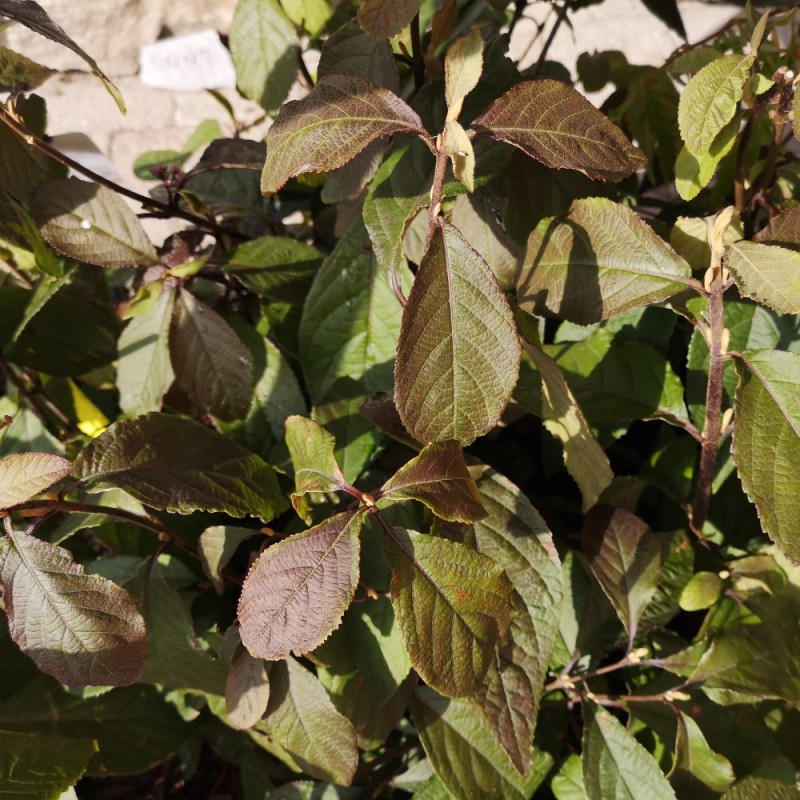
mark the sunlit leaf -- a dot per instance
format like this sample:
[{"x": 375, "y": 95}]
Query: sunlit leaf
[
  {"x": 555, "y": 124},
  {"x": 453, "y": 607},
  {"x": 755, "y": 788},
  {"x": 574, "y": 267},
  {"x": 767, "y": 273},
  {"x": 16, "y": 70},
  {"x": 384, "y": 19},
  {"x": 24, "y": 475},
  {"x": 458, "y": 354},
  {"x": 81, "y": 629},
  {"x": 463, "y": 66},
  {"x": 768, "y": 411},
  {"x": 297, "y": 591},
  {"x": 91, "y": 223},
  {"x": 616, "y": 765},
  {"x": 438, "y": 477},
  {"x": 710, "y": 100},
  {"x": 178, "y": 465},
  {"x": 567, "y": 784},
  {"x": 340, "y": 117}
]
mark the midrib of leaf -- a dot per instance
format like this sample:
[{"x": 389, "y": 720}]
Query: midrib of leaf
[
  {"x": 765, "y": 385},
  {"x": 338, "y": 120},
  {"x": 343, "y": 486}
]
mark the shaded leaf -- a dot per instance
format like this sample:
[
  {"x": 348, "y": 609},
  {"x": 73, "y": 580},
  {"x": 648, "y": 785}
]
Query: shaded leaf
[
  {"x": 384, "y": 19},
  {"x": 616, "y": 765},
  {"x": 81, "y": 629},
  {"x": 693, "y": 755},
  {"x": 246, "y": 691},
  {"x": 178, "y": 465},
  {"x": 464, "y": 754},
  {"x": 555, "y": 124},
  {"x": 33, "y": 16},
  {"x": 41, "y": 767},
  {"x": 351, "y": 320},
  {"x": 625, "y": 558},
  {"x": 783, "y": 229},
  {"x": 265, "y": 52},
  {"x": 754, "y": 788},
  {"x": 349, "y": 51},
  {"x": 211, "y": 364},
  {"x": 302, "y": 718},
  {"x": 334, "y": 123},
  {"x": 710, "y": 100},
  {"x": 144, "y": 369},
  {"x": 573, "y": 270},
  {"x": 91, "y": 223},
  {"x": 768, "y": 410},
  {"x": 216, "y": 546},
  {"x": 452, "y": 604},
  {"x": 458, "y": 354},
  {"x": 297, "y": 591},
  {"x": 24, "y": 475},
  {"x": 767, "y": 273},
  {"x": 438, "y": 477}
]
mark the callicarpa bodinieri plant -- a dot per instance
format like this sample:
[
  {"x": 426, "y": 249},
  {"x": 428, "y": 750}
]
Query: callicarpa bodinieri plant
[{"x": 449, "y": 448}]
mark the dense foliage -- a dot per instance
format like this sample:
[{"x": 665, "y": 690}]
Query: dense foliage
[{"x": 452, "y": 447}]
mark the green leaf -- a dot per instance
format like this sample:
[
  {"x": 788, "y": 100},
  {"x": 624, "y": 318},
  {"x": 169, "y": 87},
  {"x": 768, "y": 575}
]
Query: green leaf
[
  {"x": 453, "y": 606},
  {"x": 311, "y": 15},
  {"x": 144, "y": 370},
  {"x": 24, "y": 475},
  {"x": 351, "y": 320},
  {"x": 438, "y": 477},
  {"x": 177, "y": 659},
  {"x": 16, "y": 70},
  {"x": 463, "y": 66},
  {"x": 567, "y": 784},
  {"x": 458, "y": 354},
  {"x": 91, "y": 223},
  {"x": 33, "y": 16},
  {"x": 753, "y": 788},
  {"x": 302, "y": 718},
  {"x": 276, "y": 267},
  {"x": 297, "y": 591},
  {"x": 555, "y": 124},
  {"x": 710, "y": 100},
  {"x": 81, "y": 629},
  {"x": 40, "y": 767},
  {"x": 315, "y": 467},
  {"x": 216, "y": 547},
  {"x": 573, "y": 267},
  {"x": 626, "y": 559},
  {"x": 330, "y": 126},
  {"x": 246, "y": 691},
  {"x": 465, "y": 755},
  {"x": 694, "y": 172},
  {"x": 693, "y": 755},
  {"x": 767, "y": 273},
  {"x": 178, "y": 465},
  {"x": 211, "y": 364},
  {"x": 702, "y": 591},
  {"x": 265, "y": 52},
  {"x": 768, "y": 411},
  {"x": 616, "y": 765},
  {"x": 584, "y": 459},
  {"x": 384, "y": 19},
  {"x": 614, "y": 379}
]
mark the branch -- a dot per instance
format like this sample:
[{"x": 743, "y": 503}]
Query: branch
[{"x": 562, "y": 15}]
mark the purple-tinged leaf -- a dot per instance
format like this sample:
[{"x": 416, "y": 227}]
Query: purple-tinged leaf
[
  {"x": 453, "y": 606},
  {"x": 297, "y": 591},
  {"x": 333, "y": 124},
  {"x": 384, "y": 19},
  {"x": 597, "y": 262},
  {"x": 626, "y": 559},
  {"x": 783, "y": 229},
  {"x": 458, "y": 354},
  {"x": 439, "y": 478},
  {"x": 211, "y": 364},
  {"x": 246, "y": 691},
  {"x": 81, "y": 629},
  {"x": 24, "y": 475},
  {"x": 555, "y": 124},
  {"x": 175, "y": 464},
  {"x": 302, "y": 718},
  {"x": 91, "y": 223}
]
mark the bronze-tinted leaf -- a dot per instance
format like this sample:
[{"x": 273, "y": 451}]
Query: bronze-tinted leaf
[
  {"x": 384, "y": 19},
  {"x": 458, "y": 354},
  {"x": 438, "y": 477},
  {"x": 340, "y": 117},
  {"x": 23, "y": 475},
  {"x": 81, "y": 629},
  {"x": 295, "y": 594},
  {"x": 556, "y": 125}
]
